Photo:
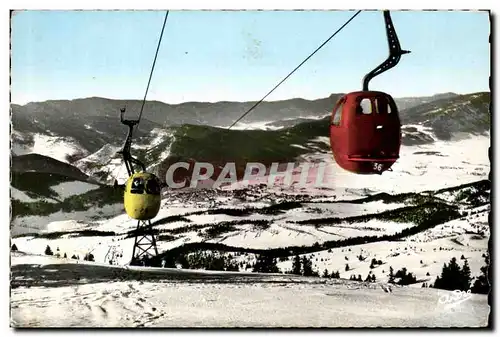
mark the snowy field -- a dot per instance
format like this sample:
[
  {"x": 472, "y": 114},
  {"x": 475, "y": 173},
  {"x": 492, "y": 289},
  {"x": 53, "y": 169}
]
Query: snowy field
[
  {"x": 280, "y": 232},
  {"x": 97, "y": 294},
  {"x": 189, "y": 222},
  {"x": 68, "y": 189},
  {"x": 20, "y": 195},
  {"x": 35, "y": 223},
  {"x": 419, "y": 168},
  {"x": 416, "y": 170},
  {"x": 424, "y": 260},
  {"x": 89, "y": 295}
]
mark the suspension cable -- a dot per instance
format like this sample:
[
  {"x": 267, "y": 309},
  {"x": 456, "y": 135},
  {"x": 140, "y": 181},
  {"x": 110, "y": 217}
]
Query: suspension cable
[
  {"x": 129, "y": 160},
  {"x": 153, "y": 67},
  {"x": 283, "y": 80}
]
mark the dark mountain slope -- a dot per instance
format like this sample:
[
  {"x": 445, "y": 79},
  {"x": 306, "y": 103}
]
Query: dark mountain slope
[
  {"x": 464, "y": 113},
  {"x": 39, "y": 163}
]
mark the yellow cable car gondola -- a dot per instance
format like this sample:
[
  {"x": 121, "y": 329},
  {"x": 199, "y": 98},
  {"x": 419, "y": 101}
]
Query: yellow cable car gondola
[
  {"x": 142, "y": 196},
  {"x": 142, "y": 191}
]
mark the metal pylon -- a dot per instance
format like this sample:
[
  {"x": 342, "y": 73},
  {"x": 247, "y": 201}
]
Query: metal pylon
[{"x": 145, "y": 241}]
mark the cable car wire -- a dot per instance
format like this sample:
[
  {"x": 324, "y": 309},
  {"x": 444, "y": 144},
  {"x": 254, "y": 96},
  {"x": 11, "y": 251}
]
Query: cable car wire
[
  {"x": 125, "y": 152},
  {"x": 153, "y": 66},
  {"x": 290, "y": 74}
]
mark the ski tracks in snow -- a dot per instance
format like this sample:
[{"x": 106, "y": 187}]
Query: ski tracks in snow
[
  {"x": 117, "y": 305},
  {"x": 121, "y": 306}
]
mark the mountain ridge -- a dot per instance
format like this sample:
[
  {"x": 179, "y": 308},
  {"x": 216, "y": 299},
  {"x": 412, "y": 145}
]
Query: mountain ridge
[
  {"x": 442, "y": 95},
  {"x": 440, "y": 118}
]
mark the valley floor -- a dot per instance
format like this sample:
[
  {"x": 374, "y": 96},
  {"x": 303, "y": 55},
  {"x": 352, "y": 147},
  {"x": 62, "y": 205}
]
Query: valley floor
[{"x": 80, "y": 294}]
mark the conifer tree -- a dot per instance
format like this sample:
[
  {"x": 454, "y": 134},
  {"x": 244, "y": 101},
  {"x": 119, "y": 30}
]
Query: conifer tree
[
  {"x": 266, "y": 264},
  {"x": 307, "y": 266},
  {"x": 466, "y": 276},
  {"x": 48, "y": 251},
  {"x": 453, "y": 277},
  {"x": 391, "y": 275},
  {"x": 296, "y": 267}
]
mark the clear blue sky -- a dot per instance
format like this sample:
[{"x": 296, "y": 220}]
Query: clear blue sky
[{"x": 239, "y": 56}]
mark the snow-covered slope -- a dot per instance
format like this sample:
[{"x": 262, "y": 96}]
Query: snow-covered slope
[
  {"x": 107, "y": 165},
  {"x": 20, "y": 195},
  {"x": 60, "y": 148},
  {"x": 93, "y": 295},
  {"x": 39, "y": 199}
]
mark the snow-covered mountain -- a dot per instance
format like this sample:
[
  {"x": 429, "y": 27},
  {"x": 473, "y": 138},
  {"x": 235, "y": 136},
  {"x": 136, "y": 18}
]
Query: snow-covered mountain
[
  {"x": 93, "y": 147},
  {"x": 433, "y": 206},
  {"x": 80, "y": 127}
]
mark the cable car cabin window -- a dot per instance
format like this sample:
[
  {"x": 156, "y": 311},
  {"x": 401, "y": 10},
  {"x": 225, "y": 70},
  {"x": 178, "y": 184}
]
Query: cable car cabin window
[
  {"x": 365, "y": 106},
  {"x": 152, "y": 187},
  {"x": 337, "y": 116},
  {"x": 383, "y": 105},
  {"x": 137, "y": 186}
]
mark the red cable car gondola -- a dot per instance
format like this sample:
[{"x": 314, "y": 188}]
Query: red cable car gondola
[{"x": 365, "y": 130}]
